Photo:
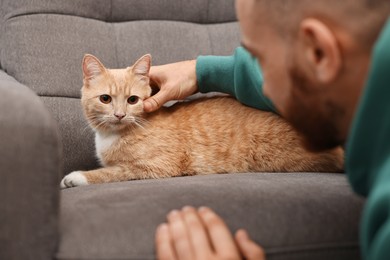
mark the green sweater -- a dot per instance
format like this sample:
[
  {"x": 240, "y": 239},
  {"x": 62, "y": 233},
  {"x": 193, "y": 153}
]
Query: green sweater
[
  {"x": 238, "y": 75},
  {"x": 368, "y": 147}
]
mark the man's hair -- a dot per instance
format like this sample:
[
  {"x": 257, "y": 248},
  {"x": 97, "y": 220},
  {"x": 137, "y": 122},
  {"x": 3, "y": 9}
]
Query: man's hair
[{"x": 363, "y": 18}]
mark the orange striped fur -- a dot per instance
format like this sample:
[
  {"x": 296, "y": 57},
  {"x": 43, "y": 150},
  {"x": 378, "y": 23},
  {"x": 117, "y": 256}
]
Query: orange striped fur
[{"x": 214, "y": 135}]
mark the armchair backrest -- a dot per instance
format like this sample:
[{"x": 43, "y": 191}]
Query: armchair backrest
[{"x": 42, "y": 43}]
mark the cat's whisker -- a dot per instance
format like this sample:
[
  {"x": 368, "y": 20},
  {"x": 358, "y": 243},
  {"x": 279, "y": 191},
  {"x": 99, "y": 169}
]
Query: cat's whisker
[
  {"x": 143, "y": 120},
  {"x": 132, "y": 127},
  {"x": 87, "y": 127},
  {"x": 97, "y": 125},
  {"x": 95, "y": 120},
  {"x": 138, "y": 124}
]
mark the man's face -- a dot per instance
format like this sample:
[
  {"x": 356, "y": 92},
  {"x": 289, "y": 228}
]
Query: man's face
[{"x": 298, "y": 98}]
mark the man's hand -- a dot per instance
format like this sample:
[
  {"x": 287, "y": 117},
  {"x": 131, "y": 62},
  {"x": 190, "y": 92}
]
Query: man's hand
[
  {"x": 201, "y": 234},
  {"x": 176, "y": 82}
]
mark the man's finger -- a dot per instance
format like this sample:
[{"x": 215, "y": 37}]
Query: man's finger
[
  {"x": 249, "y": 249},
  {"x": 155, "y": 74},
  {"x": 180, "y": 237},
  {"x": 197, "y": 232},
  {"x": 164, "y": 248},
  {"x": 219, "y": 234}
]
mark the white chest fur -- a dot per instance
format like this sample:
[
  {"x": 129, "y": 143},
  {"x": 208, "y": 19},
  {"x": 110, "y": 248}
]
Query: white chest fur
[{"x": 103, "y": 142}]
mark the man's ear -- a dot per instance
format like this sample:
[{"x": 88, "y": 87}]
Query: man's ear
[
  {"x": 92, "y": 67},
  {"x": 142, "y": 66},
  {"x": 321, "y": 50}
]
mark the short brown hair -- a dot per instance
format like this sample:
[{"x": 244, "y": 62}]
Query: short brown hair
[{"x": 364, "y": 18}]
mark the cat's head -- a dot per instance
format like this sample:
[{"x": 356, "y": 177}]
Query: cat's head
[{"x": 112, "y": 99}]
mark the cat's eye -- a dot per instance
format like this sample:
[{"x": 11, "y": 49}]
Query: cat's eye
[
  {"x": 132, "y": 100},
  {"x": 105, "y": 99}
]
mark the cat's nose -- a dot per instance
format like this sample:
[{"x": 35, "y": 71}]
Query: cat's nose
[{"x": 119, "y": 115}]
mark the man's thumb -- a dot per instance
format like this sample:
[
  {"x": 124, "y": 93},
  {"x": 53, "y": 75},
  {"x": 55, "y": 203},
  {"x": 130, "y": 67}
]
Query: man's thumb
[{"x": 154, "y": 102}]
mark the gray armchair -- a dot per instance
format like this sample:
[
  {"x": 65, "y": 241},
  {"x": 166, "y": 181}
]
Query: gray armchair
[
  {"x": 30, "y": 160},
  {"x": 43, "y": 136}
]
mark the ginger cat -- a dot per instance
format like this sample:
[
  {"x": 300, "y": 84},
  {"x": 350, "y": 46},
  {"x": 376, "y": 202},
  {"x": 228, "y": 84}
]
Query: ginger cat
[{"x": 216, "y": 135}]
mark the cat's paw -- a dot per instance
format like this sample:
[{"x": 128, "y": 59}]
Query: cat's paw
[{"x": 73, "y": 179}]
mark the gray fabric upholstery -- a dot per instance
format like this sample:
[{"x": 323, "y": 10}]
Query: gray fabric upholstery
[
  {"x": 293, "y": 215},
  {"x": 42, "y": 42},
  {"x": 44, "y": 48},
  {"x": 78, "y": 138},
  {"x": 51, "y": 62},
  {"x": 195, "y": 11},
  {"x": 30, "y": 162}
]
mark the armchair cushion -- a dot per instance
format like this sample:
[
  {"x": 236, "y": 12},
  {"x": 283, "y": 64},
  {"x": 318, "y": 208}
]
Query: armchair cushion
[{"x": 293, "y": 215}]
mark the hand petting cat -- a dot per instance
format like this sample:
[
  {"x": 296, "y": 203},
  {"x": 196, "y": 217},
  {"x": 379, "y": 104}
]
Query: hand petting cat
[
  {"x": 201, "y": 234},
  {"x": 176, "y": 82}
]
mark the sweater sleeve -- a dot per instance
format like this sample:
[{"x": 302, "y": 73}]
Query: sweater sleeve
[{"x": 238, "y": 75}]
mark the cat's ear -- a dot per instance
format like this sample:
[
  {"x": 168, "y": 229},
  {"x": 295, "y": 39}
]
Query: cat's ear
[
  {"x": 92, "y": 67},
  {"x": 142, "y": 66}
]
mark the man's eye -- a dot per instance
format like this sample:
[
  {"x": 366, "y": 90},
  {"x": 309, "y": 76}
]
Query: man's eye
[
  {"x": 105, "y": 99},
  {"x": 133, "y": 100}
]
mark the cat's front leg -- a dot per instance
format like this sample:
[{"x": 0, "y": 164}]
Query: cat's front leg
[
  {"x": 74, "y": 179},
  {"x": 103, "y": 175}
]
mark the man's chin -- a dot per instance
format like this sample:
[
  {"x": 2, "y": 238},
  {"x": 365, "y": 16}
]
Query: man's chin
[
  {"x": 318, "y": 133},
  {"x": 315, "y": 117},
  {"x": 320, "y": 144}
]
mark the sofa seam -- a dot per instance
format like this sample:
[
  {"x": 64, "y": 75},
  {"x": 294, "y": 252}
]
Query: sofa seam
[
  {"x": 57, "y": 96},
  {"x": 312, "y": 247},
  {"x": 9, "y": 17}
]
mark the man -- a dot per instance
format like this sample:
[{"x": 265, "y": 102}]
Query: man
[{"x": 326, "y": 67}]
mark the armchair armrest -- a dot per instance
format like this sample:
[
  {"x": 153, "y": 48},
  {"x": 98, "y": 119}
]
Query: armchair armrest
[{"x": 30, "y": 163}]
